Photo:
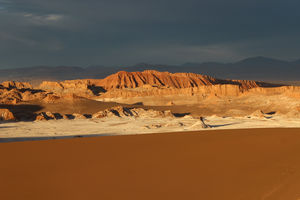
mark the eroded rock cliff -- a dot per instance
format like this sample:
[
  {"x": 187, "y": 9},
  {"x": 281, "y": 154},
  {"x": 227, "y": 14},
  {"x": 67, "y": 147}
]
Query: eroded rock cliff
[{"x": 154, "y": 78}]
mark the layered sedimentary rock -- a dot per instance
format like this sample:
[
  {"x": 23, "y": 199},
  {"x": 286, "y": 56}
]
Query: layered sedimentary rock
[
  {"x": 205, "y": 91},
  {"x": 124, "y": 79},
  {"x": 150, "y": 83},
  {"x": 291, "y": 91},
  {"x": 138, "y": 84},
  {"x": 154, "y": 83},
  {"x": 154, "y": 78}
]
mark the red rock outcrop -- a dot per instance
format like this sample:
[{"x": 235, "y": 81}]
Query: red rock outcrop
[
  {"x": 124, "y": 79},
  {"x": 154, "y": 78},
  {"x": 133, "y": 84},
  {"x": 148, "y": 82},
  {"x": 205, "y": 91}
]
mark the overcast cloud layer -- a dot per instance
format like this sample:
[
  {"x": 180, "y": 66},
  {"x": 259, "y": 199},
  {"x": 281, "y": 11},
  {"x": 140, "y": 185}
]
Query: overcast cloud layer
[{"x": 119, "y": 32}]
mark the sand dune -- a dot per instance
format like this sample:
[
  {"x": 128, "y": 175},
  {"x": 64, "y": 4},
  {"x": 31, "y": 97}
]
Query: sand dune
[{"x": 211, "y": 165}]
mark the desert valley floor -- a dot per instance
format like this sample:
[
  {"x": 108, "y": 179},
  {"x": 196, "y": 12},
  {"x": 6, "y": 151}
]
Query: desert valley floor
[{"x": 167, "y": 136}]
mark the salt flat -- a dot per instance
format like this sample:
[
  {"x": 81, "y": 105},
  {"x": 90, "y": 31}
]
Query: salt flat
[{"x": 131, "y": 125}]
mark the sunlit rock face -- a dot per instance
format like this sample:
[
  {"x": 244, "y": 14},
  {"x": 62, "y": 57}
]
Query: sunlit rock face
[
  {"x": 6, "y": 115},
  {"x": 154, "y": 78}
]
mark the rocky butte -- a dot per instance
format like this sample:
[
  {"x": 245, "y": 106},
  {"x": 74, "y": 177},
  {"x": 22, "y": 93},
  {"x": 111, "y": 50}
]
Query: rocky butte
[
  {"x": 149, "y": 80},
  {"x": 124, "y": 79}
]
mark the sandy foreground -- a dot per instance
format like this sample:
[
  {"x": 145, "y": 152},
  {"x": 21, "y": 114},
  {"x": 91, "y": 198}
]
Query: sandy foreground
[
  {"x": 248, "y": 164},
  {"x": 130, "y": 125}
]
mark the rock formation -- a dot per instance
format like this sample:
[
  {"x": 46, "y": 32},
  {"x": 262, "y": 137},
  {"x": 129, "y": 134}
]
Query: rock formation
[
  {"x": 78, "y": 116},
  {"x": 120, "y": 111},
  {"x": 204, "y": 125},
  {"x": 83, "y": 88},
  {"x": 154, "y": 78},
  {"x": 258, "y": 114},
  {"x": 15, "y": 92},
  {"x": 117, "y": 111},
  {"x": 17, "y": 85},
  {"x": 178, "y": 88},
  {"x": 6, "y": 115},
  {"x": 129, "y": 84},
  {"x": 148, "y": 80},
  {"x": 205, "y": 91},
  {"x": 154, "y": 83}
]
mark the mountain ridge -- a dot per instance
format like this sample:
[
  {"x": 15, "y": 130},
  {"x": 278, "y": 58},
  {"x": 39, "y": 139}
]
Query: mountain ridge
[{"x": 253, "y": 68}]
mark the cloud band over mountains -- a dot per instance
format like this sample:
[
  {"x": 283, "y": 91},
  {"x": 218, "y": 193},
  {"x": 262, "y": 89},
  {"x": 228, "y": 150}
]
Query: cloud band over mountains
[{"x": 117, "y": 32}]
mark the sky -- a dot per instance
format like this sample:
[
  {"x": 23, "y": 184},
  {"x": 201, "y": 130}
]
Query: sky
[{"x": 126, "y": 32}]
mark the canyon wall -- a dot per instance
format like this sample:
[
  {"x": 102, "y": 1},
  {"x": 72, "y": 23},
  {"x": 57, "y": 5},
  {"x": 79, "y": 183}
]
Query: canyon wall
[
  {"x": 140, "y": 84},
  {"x": 150, "y": 83},
  {"x": 124, "y": 79}
]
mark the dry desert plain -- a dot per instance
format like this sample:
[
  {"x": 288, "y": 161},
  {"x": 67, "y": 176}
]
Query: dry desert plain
[
  {"x": 243, "y": 164},
  {"x": 173, "y": 136}
]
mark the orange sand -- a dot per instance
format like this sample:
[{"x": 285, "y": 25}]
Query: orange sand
[{"x": 210, "y": 165}]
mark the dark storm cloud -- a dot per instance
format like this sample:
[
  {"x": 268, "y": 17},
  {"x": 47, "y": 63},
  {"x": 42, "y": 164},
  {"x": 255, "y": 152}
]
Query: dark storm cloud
[{"x": 115, "y": 32}]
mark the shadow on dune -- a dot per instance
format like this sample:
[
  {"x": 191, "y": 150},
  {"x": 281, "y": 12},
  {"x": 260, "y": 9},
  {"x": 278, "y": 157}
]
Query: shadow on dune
[
  {"x": 7, "y": 127},
  {"x": 181, "y": 114},
  {"x": 138, "y": 104},
  {"x": 23, "y": 112},
  {"x": 221, "y": 125},
  {"x": 24, "y": 139},
  {"x": 271, "y": 113}
]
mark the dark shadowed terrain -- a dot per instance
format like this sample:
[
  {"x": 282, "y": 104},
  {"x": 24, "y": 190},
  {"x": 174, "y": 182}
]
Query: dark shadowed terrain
[{"x": 255, "y": 68}]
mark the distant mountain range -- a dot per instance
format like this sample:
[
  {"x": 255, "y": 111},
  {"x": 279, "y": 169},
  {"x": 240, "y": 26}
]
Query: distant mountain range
[{"x": 254, "y": 68}]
